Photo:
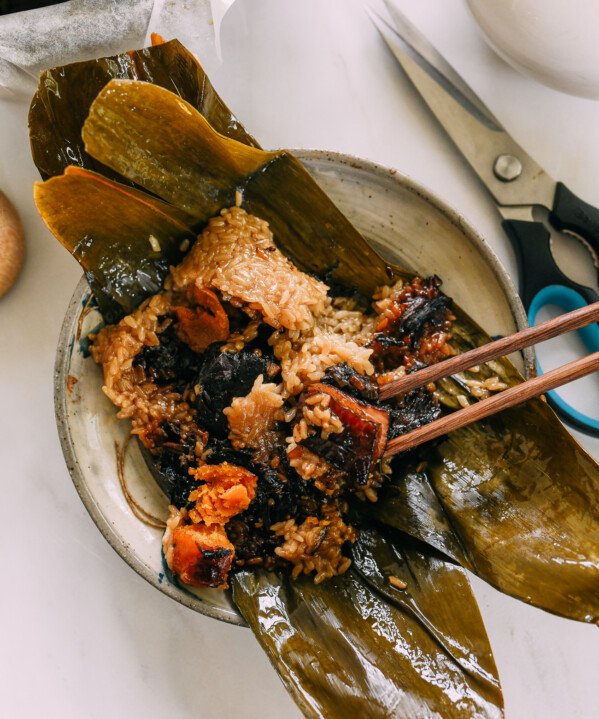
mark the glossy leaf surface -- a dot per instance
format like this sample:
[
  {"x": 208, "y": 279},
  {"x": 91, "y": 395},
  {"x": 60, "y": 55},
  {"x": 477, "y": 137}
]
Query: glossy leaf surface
[
  {"x": 125, "y": 238},
  {"x": 356, "y": 647},
  {"x": 64, "y": 95},
  {"x": 191, "y": 166},
  {"x": 515, "y": 500}
]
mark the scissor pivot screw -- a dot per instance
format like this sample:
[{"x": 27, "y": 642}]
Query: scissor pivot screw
[{"x": 507, "y": 168}]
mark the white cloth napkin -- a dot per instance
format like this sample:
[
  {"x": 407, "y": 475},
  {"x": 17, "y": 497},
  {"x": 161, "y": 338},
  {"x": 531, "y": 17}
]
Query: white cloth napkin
[{"x": 82, "y": 29}]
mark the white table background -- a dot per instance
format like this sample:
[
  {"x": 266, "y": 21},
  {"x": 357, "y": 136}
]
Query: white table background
[{"x": 81, "y": 634}]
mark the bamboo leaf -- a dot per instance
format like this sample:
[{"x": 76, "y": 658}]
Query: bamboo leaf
[
  {"x": 64, "y": 95},
  {"x": 125, "y": 238},
  {"x": 355, "y": 647},
  {"x": 164, "y": 145},
  {"x": 515, "y": 500}
]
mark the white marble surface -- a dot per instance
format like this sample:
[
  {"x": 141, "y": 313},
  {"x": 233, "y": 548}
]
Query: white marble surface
[{"x": 81, "y": 634}]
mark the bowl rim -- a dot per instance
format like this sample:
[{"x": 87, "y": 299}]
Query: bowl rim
[{"x": 61, "y": 368}]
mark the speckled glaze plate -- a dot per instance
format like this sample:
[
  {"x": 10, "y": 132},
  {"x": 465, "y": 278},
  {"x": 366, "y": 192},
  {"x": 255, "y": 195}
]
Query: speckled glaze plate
[{"x": 404, "y": 222}]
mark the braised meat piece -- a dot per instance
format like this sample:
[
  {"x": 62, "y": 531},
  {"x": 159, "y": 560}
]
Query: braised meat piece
[
  {"x": 201, "y": 555},
  {"x": 361, "y": 442},
  {"x": 422, "y": 311},
  {"x": 347, "y": 379},
  {"x": 412, "y": 411},
  {"x": 220, "y": 450},
  {"x": 414, "y": 307},
  {"x": 413, "y": 327},
  {"x": 171, "y": 460},
  {"x": 170, "y": 362}
]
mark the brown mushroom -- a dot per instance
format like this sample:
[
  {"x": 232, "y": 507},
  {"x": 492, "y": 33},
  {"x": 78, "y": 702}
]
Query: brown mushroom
[{"x": 12, "y": 245}]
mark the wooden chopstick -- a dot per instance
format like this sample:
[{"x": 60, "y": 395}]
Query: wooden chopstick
[
  {"x": 508, "y": 398},
  {"x": 531, "y": 335}
]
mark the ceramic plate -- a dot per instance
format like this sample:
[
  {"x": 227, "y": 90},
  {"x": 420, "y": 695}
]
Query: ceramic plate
[{"x": 405, "y": 223}]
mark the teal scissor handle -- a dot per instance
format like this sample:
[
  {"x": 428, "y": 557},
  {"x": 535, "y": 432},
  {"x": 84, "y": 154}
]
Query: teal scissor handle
[
  {"x": 567, "y": 299},
  {"x": 543, "y": 283}
]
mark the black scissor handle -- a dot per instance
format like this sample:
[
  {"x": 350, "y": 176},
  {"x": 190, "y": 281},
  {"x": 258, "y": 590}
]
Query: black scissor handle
[
  {"x": 537, "y": 268},
  {"x": 571, "y": 213}
]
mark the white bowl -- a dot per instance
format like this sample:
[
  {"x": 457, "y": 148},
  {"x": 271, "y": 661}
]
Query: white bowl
[
  {"x": 554, "y": 41},
  {"x": 401, "y": 218}
]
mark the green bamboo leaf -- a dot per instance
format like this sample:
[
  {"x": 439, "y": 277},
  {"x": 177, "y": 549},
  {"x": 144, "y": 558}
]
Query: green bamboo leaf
[
  {"x": 125, "y": 238},
  {"x": 356, "y": 647},
  {"x": 190, "y": 165},
  {"x": 64, "y": 95},
  {"x": 515, "y": 500}
]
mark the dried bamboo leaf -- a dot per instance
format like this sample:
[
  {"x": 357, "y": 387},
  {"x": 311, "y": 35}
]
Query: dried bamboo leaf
[{"x": 514, "y": 499}]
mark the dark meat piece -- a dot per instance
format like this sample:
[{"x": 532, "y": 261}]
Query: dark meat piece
[
  {"x": 414, "y": 328},
  {"x": 280, "y": 494},
  {"x": 383, "y": 341},
  {"x": 253, "y": 545},
  {"x": 175, "y": 481},
  {"x": 223, "y": 376},
  {"x": 170, "y": 463},
  {"x": 416, "y": 306},
  {"x": 364, "y": 437},
  {"x": 346, "y": 378},
  {"x": 218, "y": 451},
  {"x": 422, "y": 311},
  {"x": 171, "y": 362},
  {"x": 414, "y": 410}
]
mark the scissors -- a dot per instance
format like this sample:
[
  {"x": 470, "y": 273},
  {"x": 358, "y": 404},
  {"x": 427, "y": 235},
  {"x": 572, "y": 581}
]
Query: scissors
[{"x": 531, "y": 203}]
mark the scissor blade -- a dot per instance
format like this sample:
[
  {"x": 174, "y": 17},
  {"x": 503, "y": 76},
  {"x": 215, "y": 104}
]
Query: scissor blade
[{"x": 467, "y": 120}]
